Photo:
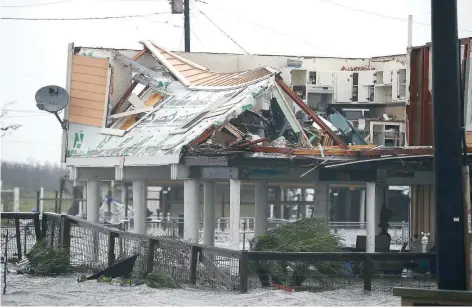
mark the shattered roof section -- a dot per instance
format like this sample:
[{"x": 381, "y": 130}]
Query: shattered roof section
[
  {"x": 194, "y": 75},
  {"x": 177, "y": 122}
]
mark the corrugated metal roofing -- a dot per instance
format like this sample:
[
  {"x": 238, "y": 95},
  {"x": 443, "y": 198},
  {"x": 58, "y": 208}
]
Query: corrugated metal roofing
[{"x": 194, "y": 75}]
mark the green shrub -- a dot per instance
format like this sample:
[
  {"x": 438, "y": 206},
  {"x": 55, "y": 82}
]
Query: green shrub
[
  {"x": 306, "y": 235},
  {"x": 45, "y": 260},
  {"x": 159, "y": 279}
]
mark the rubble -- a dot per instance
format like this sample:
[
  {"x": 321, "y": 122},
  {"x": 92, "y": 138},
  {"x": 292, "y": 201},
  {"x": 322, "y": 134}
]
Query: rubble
[{"x": 173, "y": 106}]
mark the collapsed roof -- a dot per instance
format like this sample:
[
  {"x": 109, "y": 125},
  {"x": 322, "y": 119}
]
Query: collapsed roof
[{"x": 175, "y": 107}]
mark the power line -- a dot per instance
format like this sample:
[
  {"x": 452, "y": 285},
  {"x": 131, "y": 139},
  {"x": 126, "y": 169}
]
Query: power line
[
  {"x": 264, "y": 27},
  {"x": 222, "y": 31},
  {"x": 83, "y": 18},
  {"x": 28, "y": 142},
  {"x": 36, "y": 4},
  {"x": 23, "y": 111},
  {"x": 29, "y": 116},
  {"x": 378, "y": 14},
  {"x": 66, "y": 1}
]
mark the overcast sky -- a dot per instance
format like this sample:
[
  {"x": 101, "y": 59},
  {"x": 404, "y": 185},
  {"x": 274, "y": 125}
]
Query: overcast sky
[{"x": 34, "y": 53}]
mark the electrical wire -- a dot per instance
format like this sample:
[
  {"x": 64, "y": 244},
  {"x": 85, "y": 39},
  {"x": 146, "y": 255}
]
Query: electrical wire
[
  {"x": 29, "y": 142},
  {"x": 83, "y": 18},
  {"x": 23, "y": 111},
  {"x": 378, "y": 14},
  {"x": 265, "y": 27},
  {"x": 222, "y": 31},
  {"x": 28, "y": 116},
  {"x": 67, "y": 1},
  {"x": 345, "y": 7},
  {"x": 36, "y": 4}
]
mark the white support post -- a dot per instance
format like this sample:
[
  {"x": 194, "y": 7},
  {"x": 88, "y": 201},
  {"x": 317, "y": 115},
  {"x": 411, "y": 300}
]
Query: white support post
[
  {"x": 16, "y": 199},
  {"x": 410, "y": 31},
  {"x": 370, "y": 217},
  {"x": 84, "y": 196},
  {"x": 41, "y": 201},
  {"x": 93, "y": 201},
  {"x": 124, "y": 194},
  {"x": 362, "y": 208},
  {"x": 209, "y": 193},
  {"x": 191, "y": 204},
  {"x": 261, "y": 208},
  {"x": 234, "y": 212},
  {"x": 139, "y": 206}
]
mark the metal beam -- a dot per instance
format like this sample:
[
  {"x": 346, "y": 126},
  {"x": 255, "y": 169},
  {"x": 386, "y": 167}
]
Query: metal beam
[
  {"x": 93, "y": 173},
  {"x": 447, "y": 147},
  {"x": 309, "y": 112}
]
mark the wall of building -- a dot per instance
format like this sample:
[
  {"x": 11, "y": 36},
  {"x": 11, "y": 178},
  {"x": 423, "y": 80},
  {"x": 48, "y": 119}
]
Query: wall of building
[{"x": 420, "y": 109}]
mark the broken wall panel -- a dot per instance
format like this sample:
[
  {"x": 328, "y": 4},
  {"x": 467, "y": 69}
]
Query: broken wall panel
[
  {"x": 88, "y": 91},
  {"x": 420, "y": 108}
]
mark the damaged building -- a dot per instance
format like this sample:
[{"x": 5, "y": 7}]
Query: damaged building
[{"x": 151, "y": 117}]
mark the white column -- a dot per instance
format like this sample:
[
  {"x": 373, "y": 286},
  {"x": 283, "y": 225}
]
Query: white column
[
  {"x": 262, "y": 208},
  {"x": 93, "y": 201},
  {"x": 322, "y": 200},
  {"x": 41, "y": 200},
  {"x": 234, "y": 212},
  {"x": 139, "y": 206},
  {"x": 124, "y": 194},
  {"x": 191, "y": 204},
  {"x": 16, "y": 199},
  {"x": 362, "y": 208},
  {"x": 370, "y": 217},
  {"x": 209, "y": 192},
  {"x": 84, "y": 203}
]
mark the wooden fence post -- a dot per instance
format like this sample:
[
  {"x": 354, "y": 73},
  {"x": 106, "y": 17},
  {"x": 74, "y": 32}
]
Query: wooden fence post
[
  {"x": 65, "y": 234},
  {"x": 38, "y": 201},
  {"x": 150, "y": 257},
  {"x": 194, "y": 264},
  {"x": 243, "y": 271},
  {"x": 18, "y": 237},
  {"x": 37, "y": 227},
  {"x": 368, "y": 271},
  {"x": 111, "y": 248},
  {"x": 44, "y": 226},
  {"x": 56, "y": 199},
  {"x": 53, "y": 226}
]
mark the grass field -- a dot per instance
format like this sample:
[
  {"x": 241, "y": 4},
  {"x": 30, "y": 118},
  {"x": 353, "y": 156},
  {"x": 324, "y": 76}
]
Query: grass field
[{"x": 28, "y": 201}]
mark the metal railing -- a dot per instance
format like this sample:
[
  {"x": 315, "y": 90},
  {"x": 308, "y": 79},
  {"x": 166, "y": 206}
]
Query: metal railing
[{"x": 172, "y": 227}]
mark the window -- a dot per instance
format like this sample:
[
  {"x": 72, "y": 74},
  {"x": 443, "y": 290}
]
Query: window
[
  {"x": 312, "y": 77},
  {"x": 370, "y": 93},
  {"x": 355, "y": 87}
]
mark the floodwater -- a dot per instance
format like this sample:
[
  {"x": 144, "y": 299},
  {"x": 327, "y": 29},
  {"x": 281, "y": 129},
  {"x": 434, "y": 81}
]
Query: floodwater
[{"x": 24, "y": 290}]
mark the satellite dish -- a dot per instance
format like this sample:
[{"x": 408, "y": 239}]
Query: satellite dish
[{"x": 51, "y": 98}]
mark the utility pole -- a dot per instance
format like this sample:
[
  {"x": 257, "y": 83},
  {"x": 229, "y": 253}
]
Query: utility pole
[
  {"x": 183, "y": 7},
  {"x": 187, "y": 25},
  {"x": 450, "y": 221}
]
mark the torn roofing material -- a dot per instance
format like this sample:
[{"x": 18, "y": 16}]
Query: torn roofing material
[{"x": 196, "y": 76}]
